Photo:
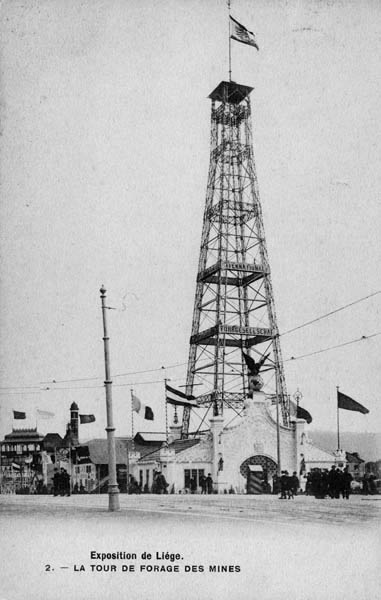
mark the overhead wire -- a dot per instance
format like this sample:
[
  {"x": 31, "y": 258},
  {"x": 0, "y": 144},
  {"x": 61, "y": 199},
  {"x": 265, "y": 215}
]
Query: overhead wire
[
  {"x": 128, "y": 373},
  {"x": 332, "y": 312}
]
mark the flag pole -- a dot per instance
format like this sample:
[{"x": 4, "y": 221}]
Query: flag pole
[
  {"x": 277, "y": 428},
  {"x": 113, "y": 489},
  {"x": 230, "y": 47},
  {"x": 338, "y": 422},
  {"x": 132, "y": 420},
  {"x": 166, "y": 406}
]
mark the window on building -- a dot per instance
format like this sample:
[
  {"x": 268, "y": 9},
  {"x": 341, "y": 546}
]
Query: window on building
[
  {"x": 141, "y": 477},
  {"x": 192, "y": 474},
  {"x": 88, "y": 468},
  {"x": 147, "y": 476}
]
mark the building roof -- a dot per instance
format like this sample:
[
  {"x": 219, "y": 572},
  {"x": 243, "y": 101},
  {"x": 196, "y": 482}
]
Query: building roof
[
  {"x": 52, "y": 441},
  {"x": 74, "y": 406},
  {"x": 19, "y": 435},
  {"x": 230, "y": 91},
  {"x": 97, "y": 450},
  {"x": 178, "y": 446},
  {"x": 150, "y": 437}
]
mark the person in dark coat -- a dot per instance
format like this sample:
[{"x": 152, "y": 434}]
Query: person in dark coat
[
  {"x": 346, "y": 483},
  {"x": 332, "y": 479},
  {"x": 316, "y": 483},
  {"x": 283, "y": 482},
  {"x": 339, "y": 483},
  {"x": 203, "y": 484},
  {"x": 308, "y": 484},
  {"x": 365, "y": 484},
  {"x": 295, "y": 483},
  {"x": 193, "y": 485},
  {"x": 56, "y": 483},
  {"x": 289, "y": 486},
  {"x": 324, "y": 483},
  {"x": 162, "y": 484},
  {"x": 64, "y": 483},
  {"x": 209, "y": 484}
]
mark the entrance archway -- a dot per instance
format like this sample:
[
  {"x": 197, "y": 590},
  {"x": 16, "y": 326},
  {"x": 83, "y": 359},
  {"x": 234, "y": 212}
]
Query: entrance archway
[{"x": 268, "y": 465}]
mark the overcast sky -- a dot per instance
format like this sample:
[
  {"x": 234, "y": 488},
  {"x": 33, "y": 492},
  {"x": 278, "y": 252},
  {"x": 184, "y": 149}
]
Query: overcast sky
[{"x": 104, "y": 161}]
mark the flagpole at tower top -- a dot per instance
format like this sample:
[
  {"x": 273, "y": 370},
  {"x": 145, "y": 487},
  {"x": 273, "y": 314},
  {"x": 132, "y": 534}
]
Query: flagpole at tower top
[
  {"x": 338, "y": 422},
  {"x": 230, "y": 46}
]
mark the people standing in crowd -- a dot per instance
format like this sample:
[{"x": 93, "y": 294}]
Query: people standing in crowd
[
  {"x": 283, "y": 485},
  {"x": 193, "y": 485},
  {"x": 289, "y": 486},
  {"x": 372, "y": 483},
  {"x": 365, "y": 484},
  {"x": 133, "y": 486},
  {"x": 203, "y": 484},
  {"x": 346, "y": 483},
  {"x": 56, "y": 482},
  {"x": 295, "y": 483},
  {"x": 332, "y": 478},
  {"x": 308, "y": 484},
  {"x": 209, "y": 484},
  {"x": 64, "y": 482},
  {"x": 163, "y": 485},
  {"x": 324, "y": 485},
  {"x": 338, "y": 483},
  {"x": 316, "y": 483},
  {"x": 159, "y": 485}
]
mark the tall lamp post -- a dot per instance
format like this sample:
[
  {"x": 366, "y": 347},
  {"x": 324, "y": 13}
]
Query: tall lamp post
[{"x": 113, "y": 490}]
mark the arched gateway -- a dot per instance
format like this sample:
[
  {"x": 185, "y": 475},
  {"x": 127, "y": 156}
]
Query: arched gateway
[{"x": 268, "y": 465}]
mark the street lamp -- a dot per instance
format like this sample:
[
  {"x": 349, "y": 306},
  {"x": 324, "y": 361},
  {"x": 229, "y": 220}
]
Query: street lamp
[{"x": 113, "y": 490}]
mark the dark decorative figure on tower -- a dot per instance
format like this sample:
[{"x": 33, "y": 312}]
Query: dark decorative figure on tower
[{"x": 255, "y": 380}]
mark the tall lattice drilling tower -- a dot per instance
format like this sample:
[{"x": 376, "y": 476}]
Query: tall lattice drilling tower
[{"x": 234, "y": 304}]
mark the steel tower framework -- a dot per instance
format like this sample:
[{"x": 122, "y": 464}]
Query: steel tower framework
[{"x": 234, "y": 304}]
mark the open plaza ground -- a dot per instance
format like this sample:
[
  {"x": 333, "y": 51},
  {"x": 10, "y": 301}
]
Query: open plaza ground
[{"x": 218, "y": 546}]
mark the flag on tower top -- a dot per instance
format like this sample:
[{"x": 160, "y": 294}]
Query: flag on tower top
[
  {"x": 44, "y": 414},
  {"x": 239, "y": 33},
  {"x": 178, "y": 398},
  {"x": 17, "y": 414},
  {"x": 348, "y": 403},
  {"x": 84, "y": 419}
]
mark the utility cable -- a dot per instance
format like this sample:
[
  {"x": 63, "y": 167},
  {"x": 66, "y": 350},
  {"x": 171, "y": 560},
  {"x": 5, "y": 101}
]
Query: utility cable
[
  {"x": 183, "y": 364},
  {"x": 363, "y": 337},
  {"x": 332, "y": 312}
]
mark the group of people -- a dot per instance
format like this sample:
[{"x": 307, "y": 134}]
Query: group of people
[
  {"x": 289, "y": 485},
  {"x": 334, "y": 483},
  {"x": 206, "y": 484},
  {"x": 61, "y": 482},
  {"x": 369, "y": 484},
  {"x": 159, "y": 485}
]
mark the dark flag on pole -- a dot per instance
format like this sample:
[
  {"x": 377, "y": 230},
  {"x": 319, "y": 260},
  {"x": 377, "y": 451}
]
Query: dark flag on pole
[
  {"x": 302, "y": 413},
  {"x": 241, "y": 34},
  {"x": 84, "y": 419},
  {"x": 138, "y": 406},
  {"x": 348, "y": 403},
  {"x": 19, "y": 415},
  {"x": 178, "y": 398},
  {"x": 148, "y": 413}
]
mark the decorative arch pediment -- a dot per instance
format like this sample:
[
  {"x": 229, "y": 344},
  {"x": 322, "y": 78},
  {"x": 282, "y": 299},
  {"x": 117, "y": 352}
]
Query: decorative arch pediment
[{"x": 268, "y": 464}]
